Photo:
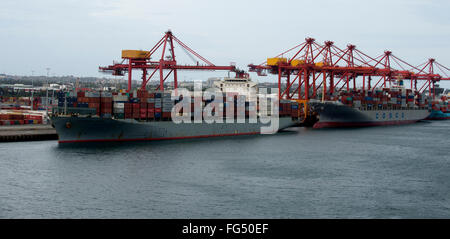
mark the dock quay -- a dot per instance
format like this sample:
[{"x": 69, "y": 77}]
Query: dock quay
[{"x": 14, "y": 133}]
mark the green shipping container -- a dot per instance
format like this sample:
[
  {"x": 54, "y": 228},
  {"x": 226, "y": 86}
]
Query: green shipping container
[{"x": 119, "y": 115}]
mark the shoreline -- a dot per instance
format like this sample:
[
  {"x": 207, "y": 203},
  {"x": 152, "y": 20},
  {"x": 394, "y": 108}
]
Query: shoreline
[{"x": 18, "y": 133}]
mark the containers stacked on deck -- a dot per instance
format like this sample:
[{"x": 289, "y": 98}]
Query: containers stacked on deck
[
  {"x": 95, "y": 103},
  {"x": 285, "y": 108},
  {"x": 167, "y": 105},
  {"x": 386, "y": 98},
  {"x": 295, "y": 110},
  {"x": 156, "y": 106},
  {"x": 441, "y": 104},
  {"x": 106, "y": 104}
]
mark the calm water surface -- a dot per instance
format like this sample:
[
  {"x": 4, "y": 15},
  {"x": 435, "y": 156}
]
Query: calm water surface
[{"x": 379, "y": 172}]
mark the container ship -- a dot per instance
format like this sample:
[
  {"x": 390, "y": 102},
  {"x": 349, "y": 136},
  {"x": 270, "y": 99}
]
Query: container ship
[
  {"x": 145, "y": 116},
  {"x": 439, "y": 109},
  {"x": 387, "y": 106}
]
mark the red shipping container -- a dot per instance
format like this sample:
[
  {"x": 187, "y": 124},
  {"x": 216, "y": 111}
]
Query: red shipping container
[
  {"x": 107, "y": 105},
  {"x": 106, "y": 110},
  {"x": 166, "y": 114},
  {"x": 35, "y": 117},
  {"x": 128, "y": 106},
  {"x": 92, "y": 105},
  {"x": 142, "y": 93},
  {"x": 151, "y": 114},
  {"x": 106, "y": 99},
  {"x": 158, "y": 110},
  {"x": 151, "y": 105}
]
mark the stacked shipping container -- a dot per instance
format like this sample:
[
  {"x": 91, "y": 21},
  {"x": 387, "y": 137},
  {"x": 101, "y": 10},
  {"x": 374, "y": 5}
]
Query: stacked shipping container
[
  {"x": 149, "y": 106},
  {"x": 386, "y": 98}
]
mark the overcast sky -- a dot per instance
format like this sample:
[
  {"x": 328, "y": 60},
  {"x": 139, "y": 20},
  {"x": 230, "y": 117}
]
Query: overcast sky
[{"x": 75, "y": 37}]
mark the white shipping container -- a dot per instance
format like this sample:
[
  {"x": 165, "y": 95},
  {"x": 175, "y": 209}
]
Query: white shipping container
[
  {"x": 120, "y": 98},
  {"x": 119, "y": 105}
]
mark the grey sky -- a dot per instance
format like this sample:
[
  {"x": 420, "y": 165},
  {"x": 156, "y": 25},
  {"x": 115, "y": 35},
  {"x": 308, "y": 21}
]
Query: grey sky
[{"x": 75, "y": 37}]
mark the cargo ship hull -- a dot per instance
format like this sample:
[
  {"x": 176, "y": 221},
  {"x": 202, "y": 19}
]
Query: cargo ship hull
[
  {"x": 340, "y": 115},
  {"x": 438, "y": 115},
  {"x": 85, "y": 129}
]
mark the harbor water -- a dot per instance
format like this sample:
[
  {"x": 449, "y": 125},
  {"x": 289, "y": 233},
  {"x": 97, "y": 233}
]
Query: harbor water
[{"x": 376, "y": 172}]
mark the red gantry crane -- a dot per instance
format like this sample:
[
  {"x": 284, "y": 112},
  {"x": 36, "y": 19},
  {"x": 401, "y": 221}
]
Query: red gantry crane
[
  {"x": 149, "y": 60},
  {"x": 312, "y": 66}
]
